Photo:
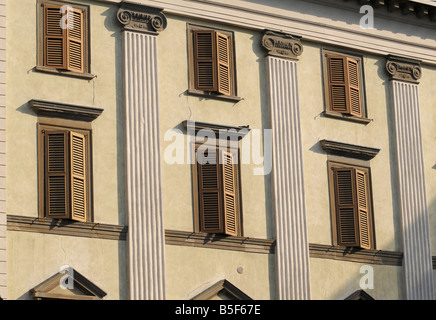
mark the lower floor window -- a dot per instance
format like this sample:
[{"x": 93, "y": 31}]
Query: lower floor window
[
  {"x": 64, "y": 172},
  {"x": 351, "y": 205}
]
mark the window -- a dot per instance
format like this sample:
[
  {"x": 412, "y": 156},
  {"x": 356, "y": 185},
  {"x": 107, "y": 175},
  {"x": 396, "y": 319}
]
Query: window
[
  {"x": 63, "y": 37},
  {"x": 64, "y": 172},
  {"x": 217, "y": 199},
  {"x": 343, "y": 84},
  {"x": 350, "y": 197},
  {"x": 211, "y": 60}
]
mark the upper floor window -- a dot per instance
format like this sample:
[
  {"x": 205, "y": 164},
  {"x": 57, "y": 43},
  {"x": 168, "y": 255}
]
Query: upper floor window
[
  {"x": 211, "y": 62},
  {"x": 344, "y": 85},
  {"x": 63, "y": 36}
]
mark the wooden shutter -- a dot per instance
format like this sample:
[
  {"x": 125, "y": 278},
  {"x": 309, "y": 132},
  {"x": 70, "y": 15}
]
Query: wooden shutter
[
  {"x": 56, "y": 175},
  {"x": 223, "y": 63},
  {"x": 75, "y": 41},
  {"x": 78, "y": 177},
  {"x": 209, "y": 184},
  {"x": 54, "y": 38},
  {"x": 229, "y": 194},
  {"x": 355, "y": 106},
  {"x": 205, "y": 60},
  {"x": 344, "y": 85},
  {"x": 346, "y": 217},
  {"x": 337, "y": 83},
  {"x": 362, "y": 209}
]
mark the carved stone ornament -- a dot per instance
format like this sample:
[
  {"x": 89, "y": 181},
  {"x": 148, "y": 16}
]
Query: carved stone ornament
[
  {"x": 136, "y": 17},
  {"x": 403, "y": 69},
  {"x": 282, "y": 45}
]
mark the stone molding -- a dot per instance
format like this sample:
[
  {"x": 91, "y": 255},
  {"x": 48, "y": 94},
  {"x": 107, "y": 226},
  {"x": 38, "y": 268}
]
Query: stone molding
[
  {"x": 282, "y": 45},
  {"x": 403, "y": 69},
  {"x": 140, "y": 18},
  {"x": 348, "y": 150}
]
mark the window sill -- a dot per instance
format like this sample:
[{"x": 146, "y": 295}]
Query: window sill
[
  {"x": 212, "y": 95},
  {"x": 66, "y": 227},
  {"x": 219, "y": 241},
  {"x": 332, "y": 114},
  {"x": 82, "y": 75}
]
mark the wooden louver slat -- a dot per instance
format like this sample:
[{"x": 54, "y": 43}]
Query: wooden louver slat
[
  {"x": 78, "y": 177},
  {"x": 56, "y": 175},
  {"x": 344, "y": 85}
]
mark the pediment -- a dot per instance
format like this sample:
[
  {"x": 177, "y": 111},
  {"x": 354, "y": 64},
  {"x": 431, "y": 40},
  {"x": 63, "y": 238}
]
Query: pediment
[
  {"x": 222, "y": 290},
  {"x": 67, "y": 285}
]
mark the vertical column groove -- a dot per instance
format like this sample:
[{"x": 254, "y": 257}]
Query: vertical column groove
[
  {"x": 145, "y": 215},
  {"x": 418, "y": 270},
  {"x": 292, "y": 251}
]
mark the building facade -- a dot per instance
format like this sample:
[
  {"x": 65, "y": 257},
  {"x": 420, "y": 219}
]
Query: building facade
[{"x": 202, "y": 149}]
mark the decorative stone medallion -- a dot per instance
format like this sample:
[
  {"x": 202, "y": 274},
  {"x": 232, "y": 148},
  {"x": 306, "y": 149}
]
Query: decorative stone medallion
[
  {"x": 282, "y": 45},
  {"x": 141, "y": 18},
  {"x": 404, "y": 69}
]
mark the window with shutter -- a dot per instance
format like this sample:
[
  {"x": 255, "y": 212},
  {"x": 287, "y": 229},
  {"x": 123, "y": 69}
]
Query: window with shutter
[
  {"x": 219, "y": 210},
  {"x": 211, "y": 61},
  {"x": 351, "y": 206},
  {"x": 64, "y": 40},
  {"x": 343, "y": 84},
  {"x": 64, "y": 167}
]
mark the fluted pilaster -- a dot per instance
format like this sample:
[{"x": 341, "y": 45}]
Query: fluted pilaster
[{"x": 292, "y": 249}]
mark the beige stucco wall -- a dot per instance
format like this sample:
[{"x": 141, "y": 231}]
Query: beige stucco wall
[
  {"x": 334, "y": 279},
  {"x": 207, "y": 266},
  {"x": 35, "y": 257}
]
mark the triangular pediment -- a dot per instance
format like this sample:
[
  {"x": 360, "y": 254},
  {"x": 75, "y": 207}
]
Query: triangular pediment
[
  {"x": 67, "y": 285},
  {"x": 222, "y": 290},
  {"x": 359, "y": 295}
]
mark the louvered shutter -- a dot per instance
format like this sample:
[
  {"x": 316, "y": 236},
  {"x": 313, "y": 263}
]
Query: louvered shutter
[
  {"x": 362, "y": 209},
  {"x": 205, "y": 60},
  {"x": 56, "y": 175},
  {"x": 337, "y": 83},
  {"x": 344, "y": 85},
  {"x": 78, "y": 177},
  {"x": 347, "y": 223},
  {"x": 75, "y": 41},
  {"x": 355, "y": 107},
  {"x": 229, "y": 194},
  {"x": 54, "y": 38},
  {"x": 223, "y": 62},
  {"x": 209, "y": 183}
]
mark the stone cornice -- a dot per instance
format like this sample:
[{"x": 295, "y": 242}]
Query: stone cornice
[
  {"x": 403, "y": 69},
  {"x": 281, "y": 44},
  {"x": 140, "y": 18},
  {"x": 219, "y": 130},
  {"x": 62, "y": 110},
  {"x": 349, "y": 150}
]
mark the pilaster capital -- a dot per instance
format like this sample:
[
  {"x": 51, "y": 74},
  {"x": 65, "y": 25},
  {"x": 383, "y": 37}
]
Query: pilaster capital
[
  {"x": 282, "y": 45},
  {"x": 140, "y": 18},
  {"x": 403, "y": 69}
]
